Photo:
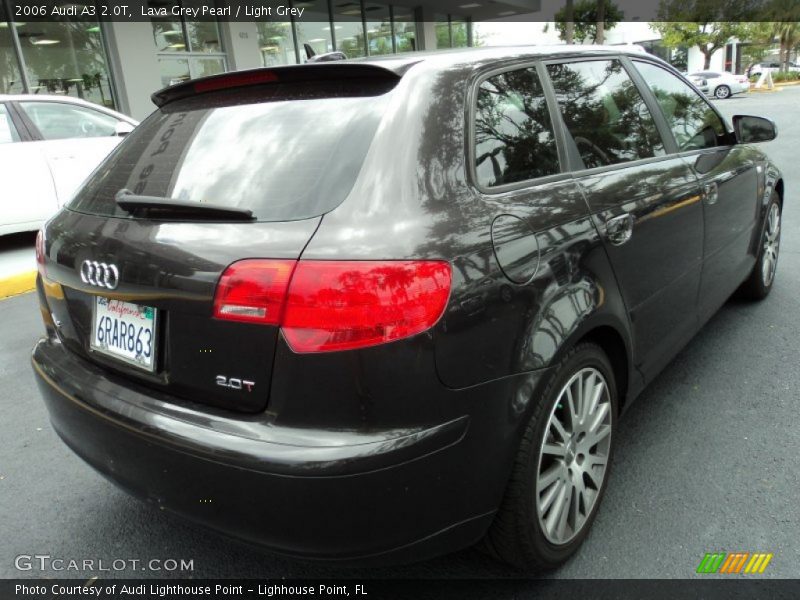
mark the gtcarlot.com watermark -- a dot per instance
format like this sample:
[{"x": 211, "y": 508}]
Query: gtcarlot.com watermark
[{"x": 46, "y": 562}]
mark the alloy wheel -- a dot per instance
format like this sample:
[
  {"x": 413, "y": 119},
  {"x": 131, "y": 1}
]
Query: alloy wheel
[
  {"x": 772, "y": 240},
  {"x": 722, "y": 92},
  {"x": 573, "y": 458}
]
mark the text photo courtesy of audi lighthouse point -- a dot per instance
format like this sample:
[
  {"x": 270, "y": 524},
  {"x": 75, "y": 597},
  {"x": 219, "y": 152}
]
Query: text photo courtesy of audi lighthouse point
[
  {"x": 403, "y": 298},
  {"x": 190, "y": 590}
]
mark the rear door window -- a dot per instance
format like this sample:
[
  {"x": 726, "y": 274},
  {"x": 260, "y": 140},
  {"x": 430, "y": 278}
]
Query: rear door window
[
  {"x": 287, "y": 153},
  {"x": 514, "y": 139},
  {"x": 693, "y": 122},
  {"x": 605, "y": 113}
]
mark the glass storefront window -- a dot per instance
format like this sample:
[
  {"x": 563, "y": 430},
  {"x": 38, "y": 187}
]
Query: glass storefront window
[
  {"x": 459, "y": 34},
  {"x": 443, "y": 39},
  {"x": 349, "y": 28},
  {"x": 203, "y": 67},
  {"x": 64, "y": 57},
  {"x": 276, "y": 43},
  {"x": 10, "y": 78},
  {"x": 168, "y": 36},
  {"x": 203, "y": 35},
  {"x": 314, "y": 28},
  {"x": 194, "y": 44},
  {"x": 173, "y": 70},
  {"x": 405, "y": 29},
  {"x": 379, "y": 29}
]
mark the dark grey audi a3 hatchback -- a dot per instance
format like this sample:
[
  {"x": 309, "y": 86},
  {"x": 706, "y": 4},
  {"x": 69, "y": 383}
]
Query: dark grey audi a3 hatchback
[{"x": 382, "y": 310}]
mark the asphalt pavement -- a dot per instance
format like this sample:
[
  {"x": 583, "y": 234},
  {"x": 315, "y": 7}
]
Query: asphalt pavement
[{"x": 706, "y": 460}]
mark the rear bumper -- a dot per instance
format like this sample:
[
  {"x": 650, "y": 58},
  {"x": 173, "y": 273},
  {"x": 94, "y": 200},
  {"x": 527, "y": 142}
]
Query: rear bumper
[{"x": 388, "y": 496}]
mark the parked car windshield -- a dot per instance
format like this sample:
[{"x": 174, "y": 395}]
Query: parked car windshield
[{"x": 289, "y": 152}]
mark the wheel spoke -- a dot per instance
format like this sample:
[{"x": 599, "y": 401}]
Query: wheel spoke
[
  {"x": 597, "y": 393},
  {"x": 596, "y": 480},
  {"x": 596, "y": 436},
  {"x": 559, "y": 427},
  {"x": 578, "y": 398},
  {"x": 554, "y": 450},
  {"x": 602, "y": 412},
  {"x": 573, "y": 413},
  {"x": 565, "y": 510},
  {"x": 587, "y": 393},
  {"x": 596, "y": 459},
  {"x": 555, "y": 511},
  {"x": 549, "y": 476},
  {"x": 551, "y": 494}
]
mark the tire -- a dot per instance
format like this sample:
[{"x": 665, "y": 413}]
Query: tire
[
  {"x": 759, "y": 283},
  {"x": 722, "y": 92},
  {"x": 520, "y": 535}
]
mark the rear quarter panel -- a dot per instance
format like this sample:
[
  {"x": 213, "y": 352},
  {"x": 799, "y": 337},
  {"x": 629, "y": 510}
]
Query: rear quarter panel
[{"x": 413, "y": 200}]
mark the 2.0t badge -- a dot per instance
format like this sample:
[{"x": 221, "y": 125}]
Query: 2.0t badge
[{"x": 235, "y": 383}]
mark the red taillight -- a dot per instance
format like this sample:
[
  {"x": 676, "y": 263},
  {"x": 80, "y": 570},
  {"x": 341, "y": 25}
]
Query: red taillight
[
  {"x": 345, "y": 305},
  {"x": 340, "y": 305},
  {"x": 40, "y": 252},
  {"x": 253, "y": 291}
]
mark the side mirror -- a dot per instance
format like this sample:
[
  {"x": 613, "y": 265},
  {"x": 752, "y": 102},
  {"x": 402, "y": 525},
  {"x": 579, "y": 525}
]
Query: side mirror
[
  {"x": 750, "y": 130},
  {"x": 122, "y": 128}
]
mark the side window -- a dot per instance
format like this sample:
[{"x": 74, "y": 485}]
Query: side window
[
  {"x": 59, "y": 120},
  {"x": 605, "y": 113},
  {"x": 514, "y": 138},
  {"x": 8, "y": 133},
  {"x": 694, "y": 123}
]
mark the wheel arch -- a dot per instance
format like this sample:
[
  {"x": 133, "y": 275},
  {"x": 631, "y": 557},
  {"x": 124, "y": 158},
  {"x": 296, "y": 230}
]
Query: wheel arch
[
  {"x": 611, "y": 336},
  {"x": 612, "y": 343}
]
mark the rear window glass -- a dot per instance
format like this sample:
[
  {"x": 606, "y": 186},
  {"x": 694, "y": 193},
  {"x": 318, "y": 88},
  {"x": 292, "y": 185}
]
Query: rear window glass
[{"x": 289, "y": 152}]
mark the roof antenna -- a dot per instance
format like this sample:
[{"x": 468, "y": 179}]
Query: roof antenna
[{"x": 309, "y": 51}]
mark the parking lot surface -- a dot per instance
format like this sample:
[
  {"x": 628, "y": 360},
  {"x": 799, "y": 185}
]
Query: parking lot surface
[
  {"x": 17, "y": 254},
  {"x": 706, "y": 460}
]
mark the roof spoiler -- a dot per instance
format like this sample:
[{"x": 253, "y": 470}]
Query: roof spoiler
[{"x": 319, "y": 71}]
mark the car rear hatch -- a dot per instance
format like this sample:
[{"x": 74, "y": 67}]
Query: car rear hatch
[{"x": 221, "y": 172}]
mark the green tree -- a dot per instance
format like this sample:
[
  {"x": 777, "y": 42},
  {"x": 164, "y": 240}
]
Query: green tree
[
  {"x": 585, "y": 17},
  {"x": 706, "y": 24},
  {"x": 788, "y": 34},
  {"x": 708, "y": 37}
]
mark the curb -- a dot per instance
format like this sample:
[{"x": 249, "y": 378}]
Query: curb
[{"x": 17, "y": 284}]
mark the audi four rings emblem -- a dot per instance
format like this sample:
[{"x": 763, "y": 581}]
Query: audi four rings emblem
[{"x": 100, "y": 274}]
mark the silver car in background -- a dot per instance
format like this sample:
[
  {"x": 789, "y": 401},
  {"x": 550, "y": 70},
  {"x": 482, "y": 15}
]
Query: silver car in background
[{"x": 723, "y": 85}]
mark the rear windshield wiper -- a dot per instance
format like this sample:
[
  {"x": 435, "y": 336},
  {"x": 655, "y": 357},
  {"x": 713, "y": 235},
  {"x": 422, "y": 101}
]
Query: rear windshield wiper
[{"x": 156, "y": 206}]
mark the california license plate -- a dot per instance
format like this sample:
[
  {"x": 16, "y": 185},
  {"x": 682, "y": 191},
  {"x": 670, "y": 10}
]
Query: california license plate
[{"x": 125, "y": 331}]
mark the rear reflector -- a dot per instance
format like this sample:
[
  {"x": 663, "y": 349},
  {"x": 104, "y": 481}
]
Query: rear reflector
[
  {"x": 40, "y": 253},
  {"x": 253, "y": 291},
  {"x": 336, "y": 305}
]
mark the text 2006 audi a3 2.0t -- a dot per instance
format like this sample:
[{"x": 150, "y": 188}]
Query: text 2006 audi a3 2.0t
[{"x": 386, "y": 309}]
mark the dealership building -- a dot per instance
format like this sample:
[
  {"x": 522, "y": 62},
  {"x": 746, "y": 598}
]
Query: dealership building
[{"x": 119, "y": 64}]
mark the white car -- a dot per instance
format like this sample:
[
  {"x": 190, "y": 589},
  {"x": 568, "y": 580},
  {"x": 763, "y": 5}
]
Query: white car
[
  {"x": 48, "y": 146},
  {"x": 723, "y": 85},
  {"x": 772, "y": 67},
  {"x": 699, "y": 82}
]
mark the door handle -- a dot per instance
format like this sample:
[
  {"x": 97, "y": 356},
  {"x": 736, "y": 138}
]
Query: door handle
[
  {"x": 710, "y": 192},
  {"x": 619, "y": 229}
]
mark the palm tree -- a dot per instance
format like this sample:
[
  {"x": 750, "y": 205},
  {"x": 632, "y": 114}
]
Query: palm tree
[
  {"x": 600, "y": 38},
  {"x": 788, "y": 34}
]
